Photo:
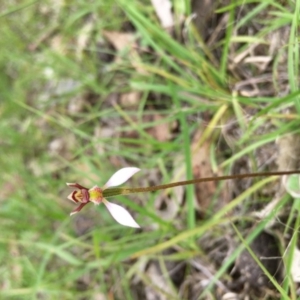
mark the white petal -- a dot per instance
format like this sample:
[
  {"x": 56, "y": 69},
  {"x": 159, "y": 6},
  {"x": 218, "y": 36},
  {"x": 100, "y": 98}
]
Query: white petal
[
  {"x": 120, "y": 177},
  {"x": 120, "y": 214}
]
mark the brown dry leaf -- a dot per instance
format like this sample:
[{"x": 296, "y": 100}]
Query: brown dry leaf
[
  {"x": 122, "y": 41},
  {"x": 161, "y": 131},
  {"x": 202, "y": 168},
  {"x": 130, "y": 99}
]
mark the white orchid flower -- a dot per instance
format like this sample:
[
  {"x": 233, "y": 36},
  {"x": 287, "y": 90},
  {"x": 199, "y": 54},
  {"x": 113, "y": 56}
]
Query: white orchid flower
[{"x": 84, "y": 196}]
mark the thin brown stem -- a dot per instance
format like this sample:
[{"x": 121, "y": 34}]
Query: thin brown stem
[{"x": 125, "y": 191}]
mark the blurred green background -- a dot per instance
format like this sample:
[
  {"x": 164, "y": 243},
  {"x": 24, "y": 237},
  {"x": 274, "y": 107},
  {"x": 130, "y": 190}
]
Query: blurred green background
[{"x": 89, "y": 87}]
